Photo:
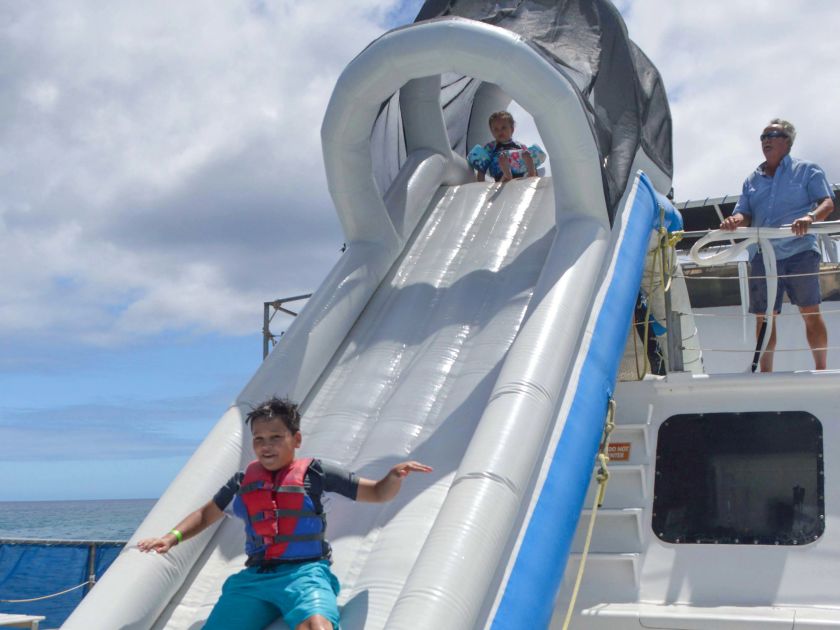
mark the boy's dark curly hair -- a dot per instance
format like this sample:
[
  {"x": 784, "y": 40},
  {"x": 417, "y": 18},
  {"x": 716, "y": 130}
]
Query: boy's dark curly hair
[{"x": 276, "y": 408}]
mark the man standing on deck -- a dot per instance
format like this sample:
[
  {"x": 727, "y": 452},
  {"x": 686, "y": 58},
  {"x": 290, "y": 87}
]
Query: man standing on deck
[{"x": 786, "y": 190}]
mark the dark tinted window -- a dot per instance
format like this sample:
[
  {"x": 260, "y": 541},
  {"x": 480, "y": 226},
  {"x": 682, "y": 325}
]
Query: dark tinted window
[{"x": 739, "y": 478}]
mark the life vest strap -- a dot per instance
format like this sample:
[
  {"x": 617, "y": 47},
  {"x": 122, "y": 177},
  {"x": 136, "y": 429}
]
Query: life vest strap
[
  {"x": 292, "y": 489},
  {"x": 272, "y": 514},
  {"x": 253, "y": 486},
  {"x": 289, "y": 538},
  {"x": 264, "y": 485}
]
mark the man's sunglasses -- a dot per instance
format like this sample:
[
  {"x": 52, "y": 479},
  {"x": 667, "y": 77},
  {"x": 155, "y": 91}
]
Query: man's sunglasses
[{"x": 773, "y": 134}]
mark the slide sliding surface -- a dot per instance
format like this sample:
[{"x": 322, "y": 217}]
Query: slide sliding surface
[
  {"x": 414, "y": 375},
  {"x": 410, "y": 381}
]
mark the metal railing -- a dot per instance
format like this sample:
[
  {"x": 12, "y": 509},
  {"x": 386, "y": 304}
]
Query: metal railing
[
  {"x": 270, "y": 309},
  {"x": 738, "y": 242},
  {"x": 92, "y": 546}
]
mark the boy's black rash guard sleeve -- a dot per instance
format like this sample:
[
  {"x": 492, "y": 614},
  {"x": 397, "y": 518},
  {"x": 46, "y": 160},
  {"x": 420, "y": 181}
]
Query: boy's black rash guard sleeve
[
  {"x": 320, "y": 477},
  {"x": 228, "y": 491},
  {"x": 333, "y": 478}
]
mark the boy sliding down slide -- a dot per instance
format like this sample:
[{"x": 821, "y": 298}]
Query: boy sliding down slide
[
  {"x": 287, "y": 572},
  {"x": 505, "y": 158}
]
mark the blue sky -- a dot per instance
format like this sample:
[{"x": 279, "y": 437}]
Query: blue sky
[
  {"x": 115, "y": 422},
  {"x": 161, "y": 177}
]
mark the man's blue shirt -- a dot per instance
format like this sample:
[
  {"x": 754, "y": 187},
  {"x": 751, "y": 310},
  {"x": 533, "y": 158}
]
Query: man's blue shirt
[{"x": 796, "y": 187}]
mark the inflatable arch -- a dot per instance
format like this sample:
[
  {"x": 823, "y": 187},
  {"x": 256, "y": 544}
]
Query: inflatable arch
[{"x": 412, "y": 59}]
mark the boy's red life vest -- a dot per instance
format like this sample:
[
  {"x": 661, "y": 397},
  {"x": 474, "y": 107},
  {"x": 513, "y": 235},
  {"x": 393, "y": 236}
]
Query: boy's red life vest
[{"x": 282, "y": 522}]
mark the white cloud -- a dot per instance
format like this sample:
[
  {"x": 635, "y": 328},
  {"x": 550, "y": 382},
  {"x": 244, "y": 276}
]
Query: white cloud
[
  {"x": 729, "y": 67},
  {"x": 160, "y": 162}
]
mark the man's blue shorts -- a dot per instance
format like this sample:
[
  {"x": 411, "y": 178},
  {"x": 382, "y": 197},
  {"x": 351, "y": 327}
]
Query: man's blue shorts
[
  {"x": 803, "y": 290},
  {"x": 251, "y": 600}
]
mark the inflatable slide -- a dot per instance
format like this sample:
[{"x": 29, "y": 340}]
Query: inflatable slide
[{"x": 474, "y": 326}]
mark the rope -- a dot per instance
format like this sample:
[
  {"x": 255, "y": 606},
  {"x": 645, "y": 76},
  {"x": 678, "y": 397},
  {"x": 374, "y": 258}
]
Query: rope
[
  {"x": 660, "y": 254},
  {"x": 707, "y": 349},
  {"x": 37, "y": 599},
  {"x": 602, "y": 475},
  {"x": 646, "y": 364},
  {"x": 675, "y": 238},
  {"x": 666, "y": 253},
  {"x": 827, "y": 272},
  {"x": 824, "y": 313}
]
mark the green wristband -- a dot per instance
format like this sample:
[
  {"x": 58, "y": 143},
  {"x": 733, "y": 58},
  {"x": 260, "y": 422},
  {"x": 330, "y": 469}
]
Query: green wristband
[{"x": 178, "y": 535}]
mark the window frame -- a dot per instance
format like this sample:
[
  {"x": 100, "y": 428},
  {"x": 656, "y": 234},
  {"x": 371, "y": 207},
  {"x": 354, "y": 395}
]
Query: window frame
[{"x": 668, "y": 440}]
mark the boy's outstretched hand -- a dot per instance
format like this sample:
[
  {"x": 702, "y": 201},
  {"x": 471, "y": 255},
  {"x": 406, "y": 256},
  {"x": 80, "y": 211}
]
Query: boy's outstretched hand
[
  {"x": 158, "y": 545},
  {"x": 387, "y": 488},
  {"x": 402, "y": 470},
  {"x": 191, "y": 525}
]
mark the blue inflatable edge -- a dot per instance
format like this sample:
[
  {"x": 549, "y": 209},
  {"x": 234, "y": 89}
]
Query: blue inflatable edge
[{"x": 541, "y": 560}]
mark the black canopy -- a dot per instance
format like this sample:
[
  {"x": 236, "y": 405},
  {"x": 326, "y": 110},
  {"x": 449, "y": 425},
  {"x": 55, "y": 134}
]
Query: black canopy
[{"x": 586, "y": 40}]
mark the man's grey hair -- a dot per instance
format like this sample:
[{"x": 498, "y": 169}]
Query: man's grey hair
[{"x": 788, "y": 127}]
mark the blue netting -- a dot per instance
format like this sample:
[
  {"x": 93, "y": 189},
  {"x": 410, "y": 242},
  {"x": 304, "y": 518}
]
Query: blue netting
[{"x": 29, "y": 570}]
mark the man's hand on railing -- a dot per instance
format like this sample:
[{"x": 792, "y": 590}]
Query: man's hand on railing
[
  {"x": 733, "y": 222},
  {"x": 801, "y": 225}
]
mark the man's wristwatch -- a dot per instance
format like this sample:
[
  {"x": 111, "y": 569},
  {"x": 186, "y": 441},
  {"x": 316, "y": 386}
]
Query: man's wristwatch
[{"x": 813, "y": 215}]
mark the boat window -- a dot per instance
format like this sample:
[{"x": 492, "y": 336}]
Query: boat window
[{"x": 751, "y": 478}]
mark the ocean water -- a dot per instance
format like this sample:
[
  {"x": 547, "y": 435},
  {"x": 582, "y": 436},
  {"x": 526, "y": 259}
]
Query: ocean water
[{"x": 73, "y": 520}]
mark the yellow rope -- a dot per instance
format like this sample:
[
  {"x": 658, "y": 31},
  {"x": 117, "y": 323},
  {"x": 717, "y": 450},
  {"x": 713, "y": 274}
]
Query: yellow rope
[
  {"x": 602, "y": 475},
  {"x": 669, "y": 244},
  {"x": 666, "y": 252},
  {"x": 663, "y": 254},
  {"x": 646, "y": 359}
]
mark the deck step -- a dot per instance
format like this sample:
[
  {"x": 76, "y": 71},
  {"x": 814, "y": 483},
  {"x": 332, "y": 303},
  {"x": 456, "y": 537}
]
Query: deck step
[
  {"x": 617, "y": 530},
  {"x": 613, "y": 576},
  {"x": 623, "y": 616},
  {"x": 683, "y": 617},
  {"x": 627, "y": 487},
  {"x": 630, "y": 444}
]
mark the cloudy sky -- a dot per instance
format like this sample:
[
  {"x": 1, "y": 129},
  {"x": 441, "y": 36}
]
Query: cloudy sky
[{"x": 161, "y": 177}]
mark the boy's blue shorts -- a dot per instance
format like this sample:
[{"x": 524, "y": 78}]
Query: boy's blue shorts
[
  {"x": 803, "y": 287},
  {"x": 252, "y": 600}
]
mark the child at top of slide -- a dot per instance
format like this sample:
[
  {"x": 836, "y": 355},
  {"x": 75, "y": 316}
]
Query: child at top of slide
[{"x": 505, "y": 158}]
